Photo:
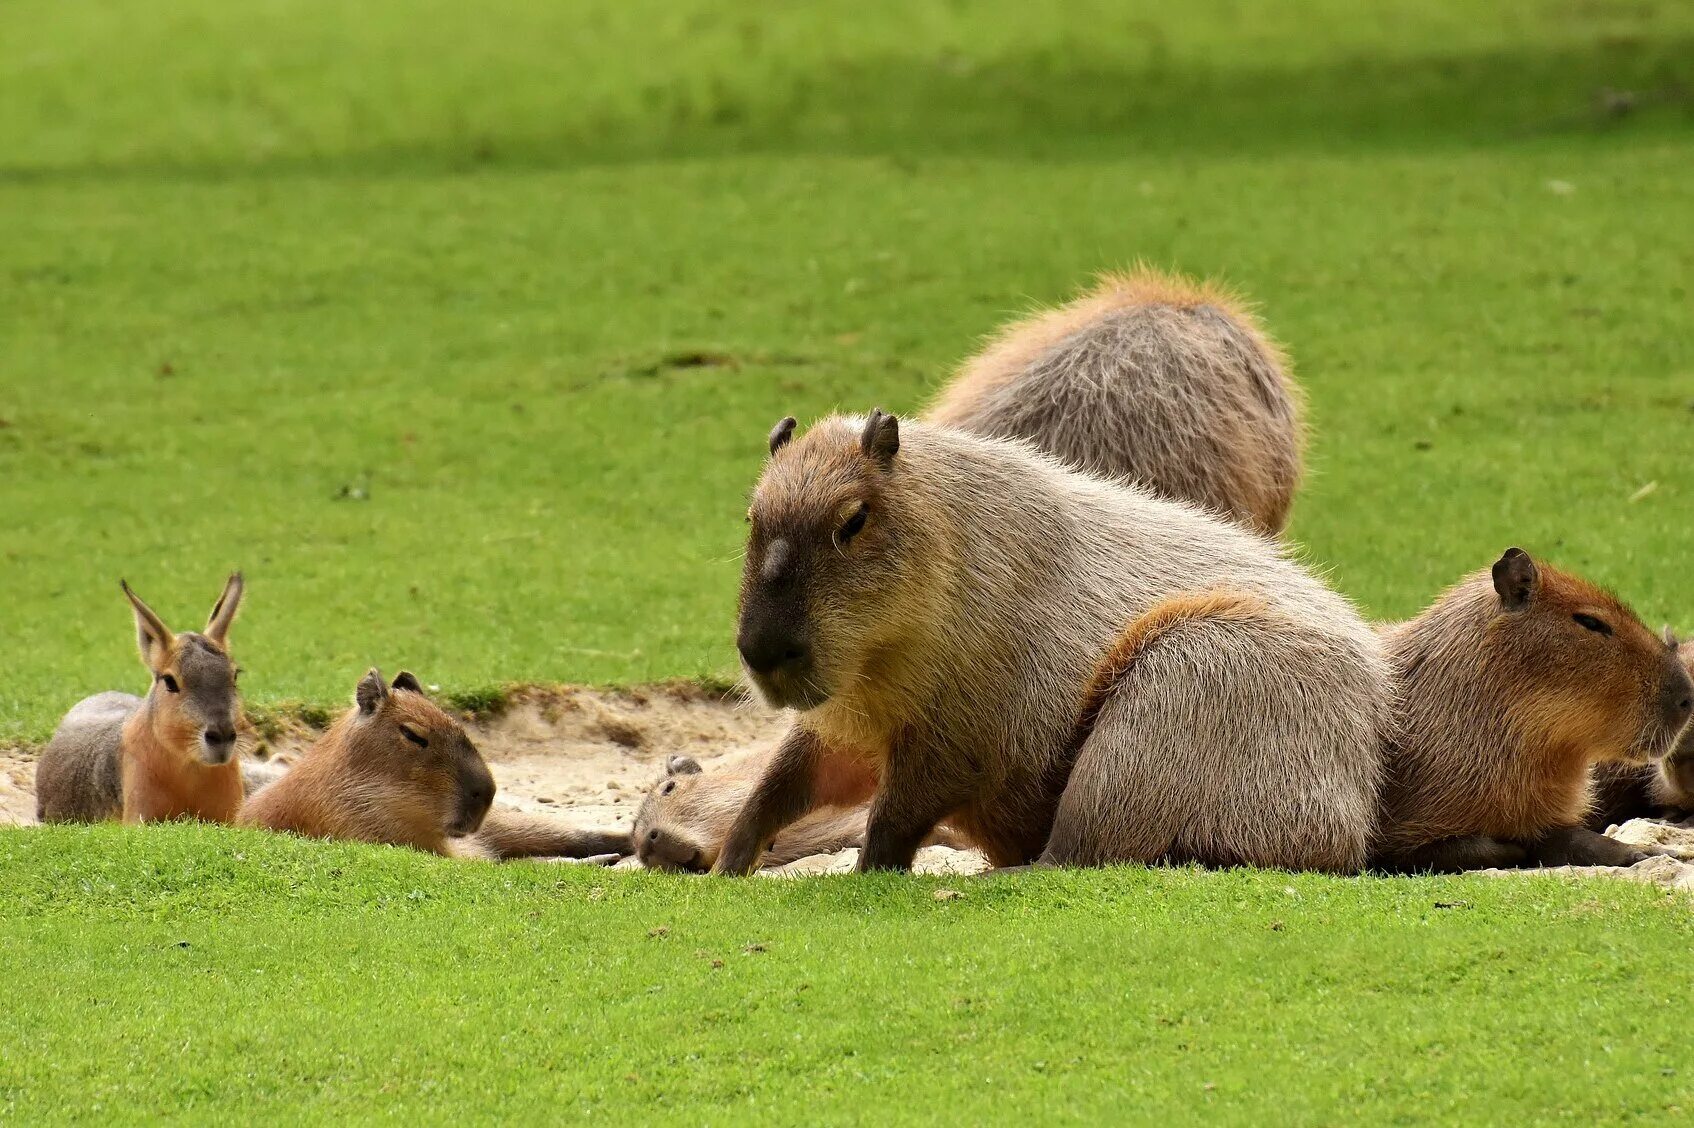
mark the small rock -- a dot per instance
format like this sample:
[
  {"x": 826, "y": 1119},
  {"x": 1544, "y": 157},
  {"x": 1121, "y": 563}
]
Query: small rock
[{"x": 948, "y": 895}]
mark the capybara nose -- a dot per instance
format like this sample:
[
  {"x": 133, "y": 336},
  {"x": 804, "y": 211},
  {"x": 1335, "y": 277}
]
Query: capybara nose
[
  {"x": 1676, "y": 698},
  {"x": 766, "y": 652}
]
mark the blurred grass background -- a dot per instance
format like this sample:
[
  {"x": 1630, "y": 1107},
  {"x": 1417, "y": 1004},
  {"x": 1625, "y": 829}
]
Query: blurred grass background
[{"x": 460, "y": 329}]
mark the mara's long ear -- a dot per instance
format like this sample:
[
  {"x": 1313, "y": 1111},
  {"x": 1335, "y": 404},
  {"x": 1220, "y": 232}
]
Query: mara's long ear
[
  {"x": 682, "y": 765},
  {"x": 407, "y": 681},
  {"x": 1515, "y": 579},
  {"x": 223, "y": 612},
  {"x": 781, "y": 433},
  {"x": 372, "y": 692},
  {"x": 881, "y": 438},
  {"x": 157, "y": 641}
]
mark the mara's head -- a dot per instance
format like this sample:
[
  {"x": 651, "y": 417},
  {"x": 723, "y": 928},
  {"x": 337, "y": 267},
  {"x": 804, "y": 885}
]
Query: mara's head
[
  {"x": 685, "y": 818},
  {"x": 416, "y": 754},
  {"x": 1584, "y": 670},
  {"x": 825, "y": 567},
  {"x": 194, "y": 702}
]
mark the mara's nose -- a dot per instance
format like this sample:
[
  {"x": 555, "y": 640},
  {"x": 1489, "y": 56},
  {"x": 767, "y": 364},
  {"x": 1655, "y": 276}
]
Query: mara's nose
[
  {"x": 766, "y": 652},
  {"x": 220, "y": 737}
]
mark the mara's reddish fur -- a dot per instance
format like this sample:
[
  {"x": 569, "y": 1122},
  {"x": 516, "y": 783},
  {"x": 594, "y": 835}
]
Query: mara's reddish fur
[{"x": 164, "y": 779}]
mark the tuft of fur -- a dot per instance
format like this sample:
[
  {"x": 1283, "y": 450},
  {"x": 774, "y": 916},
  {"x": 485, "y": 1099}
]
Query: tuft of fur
[
  {"x": 1505, "y": 708},
  {"x": 1152, "y": 378},
  {"x": 949, "y": 642},
  {"x": 170, "y": 755}
]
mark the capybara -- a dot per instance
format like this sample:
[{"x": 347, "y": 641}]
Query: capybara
[
  {"x": 170, "y": 755},
  {"x": 1662, "y": 790},
  {"x": 936, "y": 605},
  {"x": 686, "y": 816},
  {"x": 396, "y": 769},
  {"x": 1149, "y": 377},
  {"x": 1511, "y": 686}
]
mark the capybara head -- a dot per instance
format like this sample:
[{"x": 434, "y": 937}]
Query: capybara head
[
  {"x": 399, "y": 735},
  {"x": 681, "y": 824},
  {"x": 1592, "y": 675},
  {"x": 193, "y": 700},
  {"x": 1679, "y": 765},
  {"x": 823, "y": 565}
]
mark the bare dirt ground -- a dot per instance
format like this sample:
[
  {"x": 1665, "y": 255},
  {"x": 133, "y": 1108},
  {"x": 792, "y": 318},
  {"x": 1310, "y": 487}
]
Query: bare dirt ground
[{"x": 589, "y": 756}]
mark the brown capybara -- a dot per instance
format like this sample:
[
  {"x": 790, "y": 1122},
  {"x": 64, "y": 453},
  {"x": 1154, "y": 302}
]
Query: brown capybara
[
  {"x": 396, "y": 769},
  {"x": 686, "y": 816},
  {"x": 935, "y": 604},
  {"x": 170, "y": 755},
  {"x": 1511, "y": 686},
  {"x": 1149, "y": 377},
  {"x": 1662, "y": 790}
]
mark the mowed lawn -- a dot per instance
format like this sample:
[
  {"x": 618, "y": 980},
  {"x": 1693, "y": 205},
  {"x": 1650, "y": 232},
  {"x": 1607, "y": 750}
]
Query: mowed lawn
[{"x": 460, "y": 328}]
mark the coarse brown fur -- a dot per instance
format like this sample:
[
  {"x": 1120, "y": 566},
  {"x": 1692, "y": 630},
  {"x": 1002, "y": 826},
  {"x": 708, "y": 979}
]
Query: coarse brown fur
[
  {"x": 170, "y": 755},
  {"x": 1149, "y": 377},
  {"x": 1662, "y": 790},
  {"x": 1512, "y": 685},
  {"x": 934, "y": 604},
  {"x": 396, "y": 769},
  {"x": 686, "y": 816}
]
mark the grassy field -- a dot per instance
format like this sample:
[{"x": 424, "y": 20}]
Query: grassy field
[
  {"x": 296, "y": 982},
  {"x": 461, "y": 333},
  {"x": 459, "y": 328}
]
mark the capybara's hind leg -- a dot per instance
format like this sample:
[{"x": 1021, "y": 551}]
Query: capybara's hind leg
[{"x": 1206, "y": 743}]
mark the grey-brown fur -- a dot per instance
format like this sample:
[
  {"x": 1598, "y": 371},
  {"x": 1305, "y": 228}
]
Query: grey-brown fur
[
  {"x": 1150, "y": 378},
  {"x": 951, "y": 639},
  {"x": 77, "y": 778}
]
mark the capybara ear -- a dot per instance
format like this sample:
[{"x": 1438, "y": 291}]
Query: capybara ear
[
  {"x": 1670, "y": 637},
  {"x": 372, "y": 692},
  {"x": 682, "y": 765},
  {"x": 781, "y": 433},
  {"x": 1515, "y": 579},
  {"x": 881, "y": 438},
  {"x": 223, "y": 612},
  {"x": 407, "y": 681},
  {"x": 156, "y": 640}
]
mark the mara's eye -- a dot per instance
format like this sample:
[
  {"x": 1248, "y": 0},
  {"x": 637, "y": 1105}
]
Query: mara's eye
[
  {"x": 414, "y": 736},
  {"x": 670, "y": 786},
  {"x": 170, "y": 683},
  {"x": 850, "y": 527},
  {"x": 1589, "y": 622},
  {"x": 236, "y": 677}
]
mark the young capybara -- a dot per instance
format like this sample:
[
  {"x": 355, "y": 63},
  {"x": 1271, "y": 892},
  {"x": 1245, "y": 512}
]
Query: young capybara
[
  {"x": 934, "y": 604},
  {"x": 1511, "y": 686},
  {"x": 1149, "y": 377},
  {"x": 1662, "y": 790},
  {"x": 396, "y": 769},
  {"x": 170, "y": 755},
  {"x": 685, "y": 817}
]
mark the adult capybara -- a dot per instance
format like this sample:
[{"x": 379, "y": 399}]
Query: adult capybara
[
  {"x": 936, "y": 605},
  {"x": 1511, "y": 686}
]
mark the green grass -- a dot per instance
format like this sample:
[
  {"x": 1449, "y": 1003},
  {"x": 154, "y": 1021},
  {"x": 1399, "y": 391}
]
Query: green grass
[
  {"x": 459, "y": 328},
  {"x": 283, "y": 978}
]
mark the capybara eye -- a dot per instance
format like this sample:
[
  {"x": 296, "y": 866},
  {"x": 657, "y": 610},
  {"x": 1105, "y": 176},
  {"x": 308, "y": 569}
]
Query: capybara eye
[
  {"x": 1589, "y": 622},
  {"x": 170, "y": 683},
  {"x": 670, "y": 786},
  {"x": 850, "y": 528},
  {"x": 413, "y": 736}
]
